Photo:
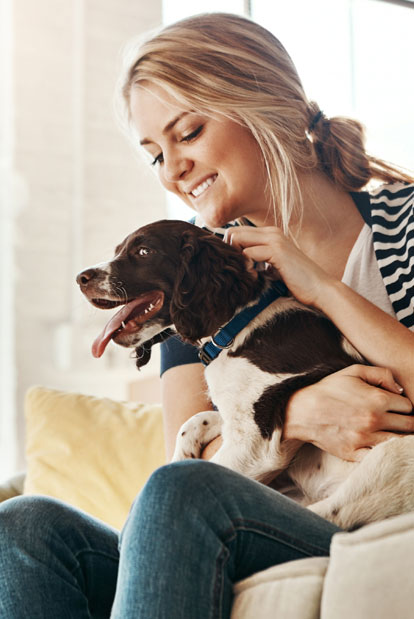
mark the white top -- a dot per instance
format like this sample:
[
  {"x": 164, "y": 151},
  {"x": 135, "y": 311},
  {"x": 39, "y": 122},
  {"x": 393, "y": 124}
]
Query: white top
[{"x": 362, "y": 273}]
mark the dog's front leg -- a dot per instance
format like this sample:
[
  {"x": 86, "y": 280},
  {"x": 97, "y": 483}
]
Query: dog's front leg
[
  {"x": 195, "y": 434},
  {"x": 249, "y": 454},
  {"x": 380, "y": 487}
]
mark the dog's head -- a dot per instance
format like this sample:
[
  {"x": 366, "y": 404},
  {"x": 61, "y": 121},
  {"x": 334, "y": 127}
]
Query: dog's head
[{"x": 168, "y": 273}]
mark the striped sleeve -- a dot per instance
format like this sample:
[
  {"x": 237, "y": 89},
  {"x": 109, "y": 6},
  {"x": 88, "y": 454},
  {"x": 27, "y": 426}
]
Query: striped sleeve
[{"x": 393, "y": 236}]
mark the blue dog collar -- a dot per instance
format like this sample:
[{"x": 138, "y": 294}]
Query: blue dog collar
[{"x": 224, "y": 337}]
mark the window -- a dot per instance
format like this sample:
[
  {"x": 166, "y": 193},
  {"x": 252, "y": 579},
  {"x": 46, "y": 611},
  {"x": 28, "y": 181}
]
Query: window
[{"x": 355, "y": 57}]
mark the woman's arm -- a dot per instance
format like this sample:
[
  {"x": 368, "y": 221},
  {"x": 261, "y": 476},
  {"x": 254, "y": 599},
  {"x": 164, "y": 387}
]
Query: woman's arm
[
  {"x": 352, "y": 410},
  {"x": 377, "y": 336},
  {"x": 184, "y": 393},
  {"x": 348, "y": 412}
]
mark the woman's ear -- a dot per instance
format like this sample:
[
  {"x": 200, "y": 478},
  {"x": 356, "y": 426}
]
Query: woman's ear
[{"x": 211, "y": 283}]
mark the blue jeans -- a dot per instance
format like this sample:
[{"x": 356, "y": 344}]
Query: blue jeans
[{"x": 194, "y": 530}]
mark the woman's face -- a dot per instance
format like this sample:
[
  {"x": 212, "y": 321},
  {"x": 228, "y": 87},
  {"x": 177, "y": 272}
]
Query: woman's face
[{"x": 214, "y": 165}]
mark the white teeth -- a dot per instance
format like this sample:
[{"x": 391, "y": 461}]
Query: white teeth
[
  {"x": 203, "y": 186},
  {"x": 123, "y": 324},
  {"x": 149, "y": 308}
]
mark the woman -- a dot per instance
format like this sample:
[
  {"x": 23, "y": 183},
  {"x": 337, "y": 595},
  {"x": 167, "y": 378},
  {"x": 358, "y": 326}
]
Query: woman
[{"x": 216, "y": 102}]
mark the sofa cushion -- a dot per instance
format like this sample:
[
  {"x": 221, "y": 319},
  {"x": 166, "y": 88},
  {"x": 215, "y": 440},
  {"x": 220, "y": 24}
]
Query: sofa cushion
[
  {"x": 289, "y": 591},
  {"x": 371, "y": 572},
  {"x": 94, "y": 453},
  {"x": 12, "y": 487}
]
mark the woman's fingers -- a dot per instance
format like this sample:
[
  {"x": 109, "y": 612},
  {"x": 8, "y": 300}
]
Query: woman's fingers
[
  {"x": 300, "y": 274},
  {"x": 257, "y": 243},
  {"x": 398, "y": 404},
  {"x": 245, "y": 236},
  {"x": 397, "y": 422},
  {"x": 349, "y": 411},
  {"x": 389, "y": 409},
  {"x": 375, "y": 376}
]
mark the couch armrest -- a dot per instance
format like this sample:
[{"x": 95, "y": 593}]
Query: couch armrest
[
  {"x": 291, "y": 590},
  {"x": 370, "y": 572},
  {"x": 12, "y": 487}
]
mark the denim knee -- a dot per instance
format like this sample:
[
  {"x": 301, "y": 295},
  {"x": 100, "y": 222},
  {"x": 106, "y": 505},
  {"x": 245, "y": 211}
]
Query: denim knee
[
  {"x": 171, "y": 488},
  {"x": 167, "y": 494},
  {"x": 181, "y": 480},
  {"x": 23, "y": 518}
]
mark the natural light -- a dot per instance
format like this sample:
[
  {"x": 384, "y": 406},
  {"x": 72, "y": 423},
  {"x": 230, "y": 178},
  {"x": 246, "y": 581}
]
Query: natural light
[{"x": 354, "y": 58}]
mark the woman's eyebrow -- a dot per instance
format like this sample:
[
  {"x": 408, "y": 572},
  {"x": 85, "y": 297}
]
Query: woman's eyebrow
[{"x": 167, "y": 127}]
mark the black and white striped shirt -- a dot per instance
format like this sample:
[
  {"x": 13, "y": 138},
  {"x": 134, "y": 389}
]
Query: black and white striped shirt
[
  {"x": 389, "y": 211},
  {"x": 392, "y": 221}
]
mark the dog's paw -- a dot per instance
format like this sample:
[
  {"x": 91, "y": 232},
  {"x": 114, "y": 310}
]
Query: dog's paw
[
  {"x": 195, "y": 434},
  {"x": 325, "y": 509},
  {"x": 344, "y": 516}
]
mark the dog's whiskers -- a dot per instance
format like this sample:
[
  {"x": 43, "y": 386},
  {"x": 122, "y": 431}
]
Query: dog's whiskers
[{"x": 119, "y": 291}]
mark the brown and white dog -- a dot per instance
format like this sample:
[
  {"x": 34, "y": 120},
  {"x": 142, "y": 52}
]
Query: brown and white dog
[{"x": 171, "y": 276}]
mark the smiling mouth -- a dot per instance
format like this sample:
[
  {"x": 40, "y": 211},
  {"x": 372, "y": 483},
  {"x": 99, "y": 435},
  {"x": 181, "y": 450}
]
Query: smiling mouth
[
  {"x": 202, "y": 187},
  {"x": 129, "y": 319}
]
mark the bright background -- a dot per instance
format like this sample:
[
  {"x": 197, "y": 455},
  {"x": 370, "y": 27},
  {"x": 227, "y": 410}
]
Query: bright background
[{"x": 71, "y": 187}]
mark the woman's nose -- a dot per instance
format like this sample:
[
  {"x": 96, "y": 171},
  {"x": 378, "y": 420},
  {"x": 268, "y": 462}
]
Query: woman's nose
[{"x": 175, "y": 167}]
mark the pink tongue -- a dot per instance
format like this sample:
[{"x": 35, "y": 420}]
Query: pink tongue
[{"x": 101, "y": 342}]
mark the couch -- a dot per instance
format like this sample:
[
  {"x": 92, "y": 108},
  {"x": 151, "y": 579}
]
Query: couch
[{"x": 97, "y": 453}]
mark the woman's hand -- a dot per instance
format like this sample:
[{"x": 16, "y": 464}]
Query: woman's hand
[
  {"x": 302, "y": 276},
  {"x": 378, "y": 337},
  {"x": 349, "y": 412},
  {"x": 211, "y": 448}
]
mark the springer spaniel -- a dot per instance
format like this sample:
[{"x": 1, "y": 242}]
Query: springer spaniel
[{"x": 171, "y": 276}]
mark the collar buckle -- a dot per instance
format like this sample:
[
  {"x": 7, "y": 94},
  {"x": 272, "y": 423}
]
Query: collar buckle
[{"x": 204, "y": 357}]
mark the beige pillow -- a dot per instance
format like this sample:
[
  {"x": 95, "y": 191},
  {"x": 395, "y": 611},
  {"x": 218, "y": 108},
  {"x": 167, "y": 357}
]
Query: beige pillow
[{"x": 94, "y": 453}]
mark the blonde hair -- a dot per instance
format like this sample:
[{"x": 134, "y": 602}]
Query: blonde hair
[{"x": 223, "y": 64}]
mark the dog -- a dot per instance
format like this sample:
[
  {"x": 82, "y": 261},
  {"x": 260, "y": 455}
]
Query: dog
[{"x": 173, "y": 277}]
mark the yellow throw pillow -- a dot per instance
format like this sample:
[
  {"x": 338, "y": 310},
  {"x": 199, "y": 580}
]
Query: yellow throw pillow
[{"x": 94, "y": 453}]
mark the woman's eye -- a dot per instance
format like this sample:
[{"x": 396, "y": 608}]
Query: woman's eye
[
  {"x": 186, "y": 138},
  {"x": 192, "y": 135},
  {"x": 158, "y": 159}
]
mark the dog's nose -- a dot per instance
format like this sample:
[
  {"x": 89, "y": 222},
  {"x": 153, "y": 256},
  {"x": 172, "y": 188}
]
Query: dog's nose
[{"x": 86, "y": 276}]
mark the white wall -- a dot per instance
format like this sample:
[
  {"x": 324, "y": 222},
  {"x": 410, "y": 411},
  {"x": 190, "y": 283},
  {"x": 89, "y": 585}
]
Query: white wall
[
  {"x": 7, "y": 212},
  {"x": 83, "y": 190}
]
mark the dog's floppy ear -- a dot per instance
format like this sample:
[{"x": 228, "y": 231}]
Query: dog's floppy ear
[
  {"x": 143, "y": 352},
  {"x": 211, "y": 282}
]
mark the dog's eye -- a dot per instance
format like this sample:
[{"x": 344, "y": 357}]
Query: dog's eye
[{"x": 143, "y": 251}]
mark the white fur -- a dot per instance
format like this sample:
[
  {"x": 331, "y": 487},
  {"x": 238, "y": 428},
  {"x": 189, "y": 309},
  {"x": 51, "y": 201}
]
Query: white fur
[
  {"x": 105, "y": 284},
  {"x": 348, "y": 494}
]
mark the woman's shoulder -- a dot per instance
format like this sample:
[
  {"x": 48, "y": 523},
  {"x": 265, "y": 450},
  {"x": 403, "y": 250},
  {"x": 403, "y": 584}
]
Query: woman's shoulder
[
  {"x": 396, "y": 196},
  {"x": 392, "y": 206},
  {"x": 392, "y": 216}
]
